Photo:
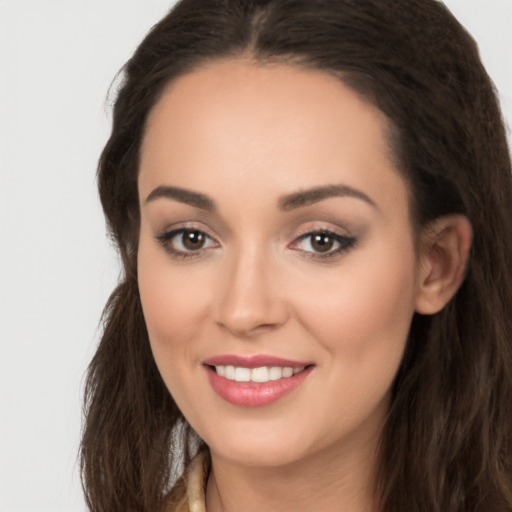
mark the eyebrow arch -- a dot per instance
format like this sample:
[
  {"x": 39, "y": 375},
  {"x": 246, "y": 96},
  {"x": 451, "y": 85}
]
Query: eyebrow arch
[
  {"x": 183, "y": 196},
  {"x": 314, "y": 195}
]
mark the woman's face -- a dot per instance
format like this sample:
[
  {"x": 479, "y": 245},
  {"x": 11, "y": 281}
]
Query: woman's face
[{"x": 277, "y": 269}]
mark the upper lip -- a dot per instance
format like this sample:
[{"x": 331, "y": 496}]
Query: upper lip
[{"x": 255, "y": 361}]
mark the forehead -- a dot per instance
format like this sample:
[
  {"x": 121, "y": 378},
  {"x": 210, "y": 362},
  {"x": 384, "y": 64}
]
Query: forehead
[{"x": 267, "y": 127}]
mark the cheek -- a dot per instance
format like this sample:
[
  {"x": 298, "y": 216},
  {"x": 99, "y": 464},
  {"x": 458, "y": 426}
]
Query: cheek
[
  {"x": 174, "y": 307},
  {"x": 361, "y": 324},
  {"x": 362, "y": 315},
  {"x": 171, "y": 305}
]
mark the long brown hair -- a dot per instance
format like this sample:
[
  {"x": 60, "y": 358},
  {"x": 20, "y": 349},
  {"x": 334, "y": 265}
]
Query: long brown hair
[{"x": 447, "y": 443}]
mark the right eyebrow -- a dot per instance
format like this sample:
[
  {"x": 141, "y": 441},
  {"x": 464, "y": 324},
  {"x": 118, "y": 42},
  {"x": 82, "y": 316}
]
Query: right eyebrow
[{"x": 183, "y": 195}]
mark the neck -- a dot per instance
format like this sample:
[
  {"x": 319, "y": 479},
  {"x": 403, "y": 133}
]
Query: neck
[{"x": 338, "y": 478}]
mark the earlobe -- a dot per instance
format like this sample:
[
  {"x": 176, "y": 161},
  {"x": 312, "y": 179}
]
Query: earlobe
[{"x": 445, "y": 245}]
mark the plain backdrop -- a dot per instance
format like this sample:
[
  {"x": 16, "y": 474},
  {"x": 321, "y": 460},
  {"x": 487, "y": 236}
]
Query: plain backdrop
[{"x": 57, "y": 267}]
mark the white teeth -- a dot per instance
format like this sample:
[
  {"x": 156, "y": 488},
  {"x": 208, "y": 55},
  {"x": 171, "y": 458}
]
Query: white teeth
[
  {"x": 230, "y": 372},
  {"x": 242, "y": 374},
  {"x": 287, "y": 371},
  {"x": 261, "y": 374},
  {"x": 275, "y": 373}
]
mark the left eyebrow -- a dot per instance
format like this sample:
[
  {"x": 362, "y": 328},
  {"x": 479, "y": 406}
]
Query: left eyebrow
[{"x": 317, "y": 194}]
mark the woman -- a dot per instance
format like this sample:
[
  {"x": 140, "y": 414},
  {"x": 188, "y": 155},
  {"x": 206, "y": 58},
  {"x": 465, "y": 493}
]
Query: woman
[{"x": 312, "y": 201}]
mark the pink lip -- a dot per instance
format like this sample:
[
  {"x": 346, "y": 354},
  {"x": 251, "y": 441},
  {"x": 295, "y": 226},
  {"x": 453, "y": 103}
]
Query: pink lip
[
  {"x": 254, "y": 394},
  {"x": 256, "y": 361}
]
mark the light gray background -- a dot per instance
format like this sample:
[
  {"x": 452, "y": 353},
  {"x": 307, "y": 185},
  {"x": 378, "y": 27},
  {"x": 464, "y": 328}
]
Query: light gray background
[{"x": 57, "y": 59}]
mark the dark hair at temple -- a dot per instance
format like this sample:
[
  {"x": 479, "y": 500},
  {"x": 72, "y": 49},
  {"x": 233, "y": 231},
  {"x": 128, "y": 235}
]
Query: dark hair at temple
[{"x": 447, "y": 443}]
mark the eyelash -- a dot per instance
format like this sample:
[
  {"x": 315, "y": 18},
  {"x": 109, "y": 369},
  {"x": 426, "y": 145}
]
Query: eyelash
[
  {"x": 345, "y": 243},
  {"x": 166, "y": 240}
]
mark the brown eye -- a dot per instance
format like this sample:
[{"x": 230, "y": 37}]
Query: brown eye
[
  {"x": 193, "y": 240},
  {"x": 186, "y": 242},
  {"x": 322, "y": 242}
]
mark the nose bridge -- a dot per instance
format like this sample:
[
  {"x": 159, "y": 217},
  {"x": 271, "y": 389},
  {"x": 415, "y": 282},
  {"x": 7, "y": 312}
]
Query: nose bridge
[{"x": 249, "y": 298}]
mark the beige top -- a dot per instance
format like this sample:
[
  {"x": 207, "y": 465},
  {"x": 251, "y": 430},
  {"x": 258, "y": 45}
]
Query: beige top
[{"x": 188, "y": 494}]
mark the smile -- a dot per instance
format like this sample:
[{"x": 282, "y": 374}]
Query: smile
[
  {"x": 254, "y": 381},
  {"x": 261, "y": 374}
]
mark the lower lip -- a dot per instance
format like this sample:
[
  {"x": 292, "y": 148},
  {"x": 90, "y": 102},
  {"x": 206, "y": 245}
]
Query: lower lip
[{"x": 255, "y": 394}]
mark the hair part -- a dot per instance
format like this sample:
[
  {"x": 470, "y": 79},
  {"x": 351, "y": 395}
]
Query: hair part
[{"x": 447, "y": 443}]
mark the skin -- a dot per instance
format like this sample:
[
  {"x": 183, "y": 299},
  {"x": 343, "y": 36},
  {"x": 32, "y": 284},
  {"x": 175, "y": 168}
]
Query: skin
[{"x": 246, "y": 135}]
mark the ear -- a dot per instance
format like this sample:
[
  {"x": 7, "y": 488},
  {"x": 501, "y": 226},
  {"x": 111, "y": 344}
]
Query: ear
[{"x": 444, "y": 252}]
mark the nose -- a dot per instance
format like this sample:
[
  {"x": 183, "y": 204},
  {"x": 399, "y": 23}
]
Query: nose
[{"x": 250, "y": 299}]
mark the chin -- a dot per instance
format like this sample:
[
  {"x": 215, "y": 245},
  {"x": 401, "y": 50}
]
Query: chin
[
  {"x": 261, "y": 446},
  {"x": 258, "y": 454}
]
